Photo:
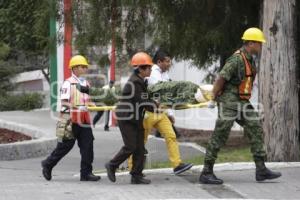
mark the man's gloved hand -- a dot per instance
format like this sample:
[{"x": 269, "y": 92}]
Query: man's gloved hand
[
  {"x": 83, "y": 89},
  {"x": 82, "y": 108}
]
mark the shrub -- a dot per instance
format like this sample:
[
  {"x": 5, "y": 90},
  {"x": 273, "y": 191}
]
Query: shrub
[{"x": 21, "y": 102}]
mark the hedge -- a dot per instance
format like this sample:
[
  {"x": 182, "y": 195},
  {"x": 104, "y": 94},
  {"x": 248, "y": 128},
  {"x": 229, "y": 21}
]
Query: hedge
[{"x": 24, "y": 101}]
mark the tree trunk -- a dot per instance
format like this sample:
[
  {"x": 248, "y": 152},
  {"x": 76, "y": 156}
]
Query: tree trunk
[{"x": 278, "y": 81}]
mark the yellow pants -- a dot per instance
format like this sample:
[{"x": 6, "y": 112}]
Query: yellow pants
[{"x": 161, "y": 122}]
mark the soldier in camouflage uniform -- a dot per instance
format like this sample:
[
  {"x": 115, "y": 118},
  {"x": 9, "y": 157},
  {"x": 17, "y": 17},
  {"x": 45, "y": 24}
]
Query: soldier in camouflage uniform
[{"x": 232, "y": 91}]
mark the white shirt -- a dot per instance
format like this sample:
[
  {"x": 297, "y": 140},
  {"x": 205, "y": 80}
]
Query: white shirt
[
  {"x": 66, "y": 87},
  {"x": 158, "y": 76},
  {"x": 107, "y": 87}
]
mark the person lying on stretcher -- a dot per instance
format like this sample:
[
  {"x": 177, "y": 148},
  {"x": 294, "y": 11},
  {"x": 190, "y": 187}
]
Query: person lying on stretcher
[
  {"x": 177, "y": 93},
  {"x": 170, "y": 94}
]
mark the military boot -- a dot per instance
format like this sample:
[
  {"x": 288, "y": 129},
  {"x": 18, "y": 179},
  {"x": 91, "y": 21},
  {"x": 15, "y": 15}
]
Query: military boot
[
  {"x": 264, "y": 174},
  {"x": 207, "y": 176}
]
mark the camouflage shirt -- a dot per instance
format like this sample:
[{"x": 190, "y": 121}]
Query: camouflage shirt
[{"x": 234, "y": 72}]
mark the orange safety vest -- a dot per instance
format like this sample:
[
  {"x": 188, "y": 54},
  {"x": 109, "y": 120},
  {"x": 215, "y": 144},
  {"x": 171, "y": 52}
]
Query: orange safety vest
[
  {"x": 77, "y": 99},
  {"x": 245, "y": 87}
]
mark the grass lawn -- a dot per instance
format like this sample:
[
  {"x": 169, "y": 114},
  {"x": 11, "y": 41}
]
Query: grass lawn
[{"x": 227, "y": 154}]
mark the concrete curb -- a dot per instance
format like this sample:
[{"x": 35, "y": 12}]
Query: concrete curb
[
  {"x": 39, "y": 146},
  {"x": 237, "y": 166}
]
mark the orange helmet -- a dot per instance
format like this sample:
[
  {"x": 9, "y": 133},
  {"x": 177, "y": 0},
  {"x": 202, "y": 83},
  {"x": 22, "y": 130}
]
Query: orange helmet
[{"x": 141, "y": 58}]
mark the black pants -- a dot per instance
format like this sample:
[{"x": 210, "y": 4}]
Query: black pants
[
  {"x": 84, "y": 136},
  {"x": 99, "y": 115},
  {"x": 133, "y": 138}
]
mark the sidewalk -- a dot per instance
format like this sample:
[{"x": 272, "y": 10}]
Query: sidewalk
[
  {"x": 22, "y": 179},
  {"x": 26, "y": 183}
]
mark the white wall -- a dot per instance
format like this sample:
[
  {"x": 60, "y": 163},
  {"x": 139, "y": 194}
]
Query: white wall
[
  {"x": 184, "y": 70},
  {"x": 33, "y": 81}
]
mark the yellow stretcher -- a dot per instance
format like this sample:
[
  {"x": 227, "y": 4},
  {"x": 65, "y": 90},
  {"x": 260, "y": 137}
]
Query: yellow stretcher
[
  {"x": 101, "y": 108},
  {"x": 188, "y": 106},
  {"x": 204, "y": 93},
  {"x": 175, "y": 107}
]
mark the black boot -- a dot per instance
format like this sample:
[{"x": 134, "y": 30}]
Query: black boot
[
  {"x": 207, "y": 176},
  {"x": 90, "y": 177},
  {"x": 139, "y": 180},
  {"x": 210, "y": 179},
  {"x": 111, "y": 172},
  {"x": 47, "y": 171},
  {"x": 264, "y": 174}
]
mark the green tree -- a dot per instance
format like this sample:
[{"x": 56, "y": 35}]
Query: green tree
[
  {"x": 200, "y": 30},
  {"x": 204, "y": 30},
  {"x": 6, "y": 69},
  {"x": 24, "y": 28},
  {"x": 97, "y": 22}
]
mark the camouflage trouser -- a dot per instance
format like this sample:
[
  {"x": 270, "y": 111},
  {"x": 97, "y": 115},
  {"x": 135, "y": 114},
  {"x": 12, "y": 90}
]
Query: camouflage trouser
[{"x": 248, "y": 118}]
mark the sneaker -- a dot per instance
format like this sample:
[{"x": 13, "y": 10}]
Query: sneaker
[
  {"x": 90, "y": 177},
  {"x": 111, "y": 172},
  {"x": 182, "y": 167},
  {"x": 210, "y": 178},
  {"x": 47, "y": 172},
  {"x": 106, "y": 128},
  {"x": 264, "y": 174}
]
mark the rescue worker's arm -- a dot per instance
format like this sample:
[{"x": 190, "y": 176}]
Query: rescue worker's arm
[
  {"x": 65, "y": 105},
  {"x": 142, "y": 98},
  {"x": 154, "y": 78},
  {"x": 229, "y": 70},
  {"x": 65, "y": 92},
  {"x": 83, "y": 89},
  {"x": 218, "y": 87}
]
